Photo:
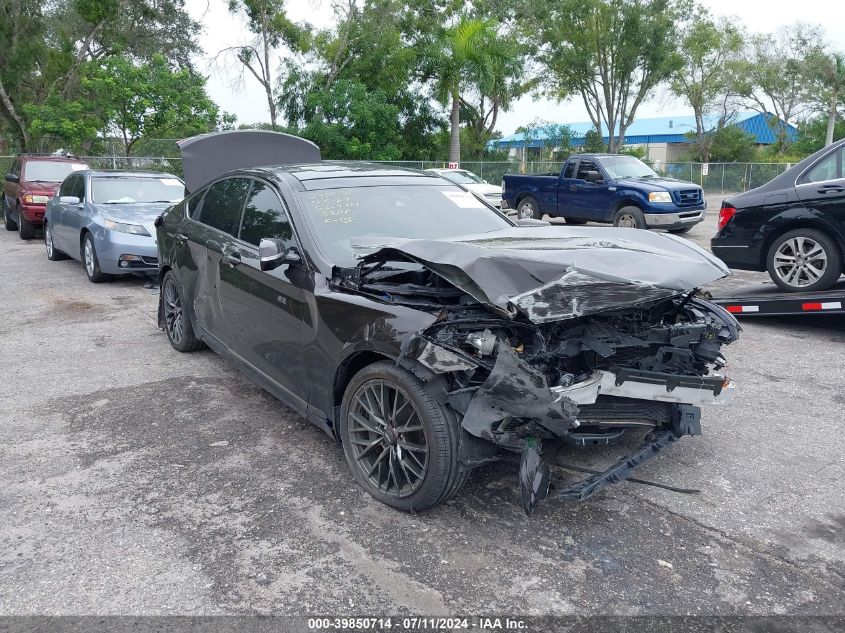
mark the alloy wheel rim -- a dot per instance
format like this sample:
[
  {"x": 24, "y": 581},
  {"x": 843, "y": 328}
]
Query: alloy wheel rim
[
  {"x": 173, "y": 315},
  {"x": 89, "y": 257},
  {"x": 526, "y": 211},
  {"x": 800, "y": 262},
  {"x": 388, "y": 439},
  {"x": 627, "y": 221},
  {"x": 48, "y": 238}
]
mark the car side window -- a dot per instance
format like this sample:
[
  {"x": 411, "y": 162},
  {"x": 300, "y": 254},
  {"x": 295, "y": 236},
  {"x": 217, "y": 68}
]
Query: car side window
[
  {"x": 192, "y": 205},
  {"x": 67, "y": 185},
  {"x": 222, "y": 205},
  {"x": 16, "y": 167},
  {"x": 570, "y": 169},
  {"x": 264, "y": 216},
  {"x": 78, "y": 187},
  {"x": 829, "y": 168},
  {"x": 584, "y": 166}
]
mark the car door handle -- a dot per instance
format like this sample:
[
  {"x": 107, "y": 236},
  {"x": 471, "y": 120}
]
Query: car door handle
[{"x": 831, "y": 189}]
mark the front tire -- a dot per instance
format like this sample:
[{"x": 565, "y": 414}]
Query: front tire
[
  {"x": 528, "y": 209},
  {"x": 90, "y": 262},
  {"x": 630, "y": 218},
  {"x": 804, "y": 260},
  {"x": 177, "y": 323},
  {"x": 11, "y": 225},
  {"x": 26, "y": 228},
  {"x": 401, "y": 445},
  {"x": 53, "y": 254}
]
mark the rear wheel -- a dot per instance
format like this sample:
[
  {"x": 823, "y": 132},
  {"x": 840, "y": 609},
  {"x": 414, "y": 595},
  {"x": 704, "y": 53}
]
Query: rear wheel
[
  {"x": 90, "y": 262},
  {"x": 804, "y": 260},
  {"x": 53, "y": 254},
  {"x": 401, "y": 445},
  {"x": 629, "y": 218},
  {"x": 528, "y": 209},
  {"x": 177, "y": 323},
  {"x": 26, "y": 229}
]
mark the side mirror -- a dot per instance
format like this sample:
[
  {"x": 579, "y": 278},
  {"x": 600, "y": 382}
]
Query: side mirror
[
  {"x": 71, "y": 200},
  {"x": 594, "y": 177},
  {"x": 273, "y": 252},
  {"x": 12, "y": 178}
]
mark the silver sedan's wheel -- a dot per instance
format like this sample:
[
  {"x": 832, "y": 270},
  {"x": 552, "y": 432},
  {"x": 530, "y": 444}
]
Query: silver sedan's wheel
[
  {"x": 800, "y": 262},
  {"x": 90, "y": 261},
  {"x": 88, "y": 254}
]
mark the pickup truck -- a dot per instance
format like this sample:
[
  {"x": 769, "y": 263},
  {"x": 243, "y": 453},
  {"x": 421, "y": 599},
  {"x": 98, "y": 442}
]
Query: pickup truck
[{"x": 612, "y": 188}]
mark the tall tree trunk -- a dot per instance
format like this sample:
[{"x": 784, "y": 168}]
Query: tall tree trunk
[
  {"x": 18, "y": 119},
  {"x": 831, "y": 119},
  {"x": 455, "y": 130},
  {"x": 268, "y": 84}
]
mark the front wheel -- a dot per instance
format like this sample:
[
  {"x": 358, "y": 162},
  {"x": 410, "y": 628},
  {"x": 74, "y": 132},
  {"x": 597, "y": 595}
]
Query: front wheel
[
  {"x": 528, "y": 209},
  {"x": 629, "y": 218},
  {"x": 11, "y": 225},
  {"x": 804, "y": 260},
  {"x": 401, "y": 445},
  {"x": 90, "y": 261}
]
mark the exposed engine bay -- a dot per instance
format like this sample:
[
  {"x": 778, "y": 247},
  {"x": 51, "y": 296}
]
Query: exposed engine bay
[{"x": 579, "y": 358}]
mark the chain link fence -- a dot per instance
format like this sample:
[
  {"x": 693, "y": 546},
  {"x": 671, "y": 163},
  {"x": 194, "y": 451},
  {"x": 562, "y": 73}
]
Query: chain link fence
[{"x": 720, "y": 178}]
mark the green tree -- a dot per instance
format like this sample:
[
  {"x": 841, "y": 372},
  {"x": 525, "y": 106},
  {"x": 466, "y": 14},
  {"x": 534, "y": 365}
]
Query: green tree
[
  {"x": 594, "y": 142},
  {"x": 832, "y": 80},
  {"x": 613, "y": 53},
  {"x": 710, "y": 50},
  {"x": 131, "y": 101},
  {"x": 813, "y": 133},
  {"x": 556, "y": 139},
  {"x": 731, "y": 144},
  {"x": 778, "y": 72}
]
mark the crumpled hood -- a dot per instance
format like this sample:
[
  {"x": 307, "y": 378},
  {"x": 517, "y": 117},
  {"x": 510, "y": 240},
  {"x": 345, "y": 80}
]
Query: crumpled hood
[{"x": 556, "y": 273}]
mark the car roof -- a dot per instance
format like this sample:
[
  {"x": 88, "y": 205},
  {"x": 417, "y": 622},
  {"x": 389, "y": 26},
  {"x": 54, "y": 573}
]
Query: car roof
[
  {"x": 105, "y": 173},
  {"x": 325, "y": 170}
]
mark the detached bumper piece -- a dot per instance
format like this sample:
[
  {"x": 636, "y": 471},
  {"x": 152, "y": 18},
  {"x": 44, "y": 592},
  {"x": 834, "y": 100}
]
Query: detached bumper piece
[{"x": 534, "y": 470}]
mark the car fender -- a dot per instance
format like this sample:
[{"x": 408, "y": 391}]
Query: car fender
[
  {"x": 627, "y": 196},
  {"x": 795, "y": 217}
]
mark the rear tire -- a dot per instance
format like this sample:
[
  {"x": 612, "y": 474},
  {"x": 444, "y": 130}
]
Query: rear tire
[
  {"x": 90, "y": 262},
  {"x": 629, "y": 217},
  {"x": 804, "y": 260},
  {"x": 53, "y": 253},
  {"x": 177, "y": 322},
  {"x": 414, "y": 469},
  {"x": 528, "y": 209},
  {"x": 26, "y": 229}
]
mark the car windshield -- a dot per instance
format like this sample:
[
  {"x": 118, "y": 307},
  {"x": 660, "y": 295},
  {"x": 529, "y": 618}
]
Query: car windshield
[
  {"x": 627, "y": 167},
  {"x": 49, "y": 171},
  {"x": 340, "y": 216},
  {"x": 129, "y": 190},
  {"x": 461, "y": 177}
]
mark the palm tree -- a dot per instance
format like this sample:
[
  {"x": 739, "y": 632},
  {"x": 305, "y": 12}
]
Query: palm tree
[
  {"x": 469, "y": 52},
  {"x": 833, "y": 76}
]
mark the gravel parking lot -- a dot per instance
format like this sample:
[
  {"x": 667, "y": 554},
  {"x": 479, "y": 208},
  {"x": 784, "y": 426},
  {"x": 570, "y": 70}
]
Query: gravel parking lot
[{"x": 137, "y": 480}]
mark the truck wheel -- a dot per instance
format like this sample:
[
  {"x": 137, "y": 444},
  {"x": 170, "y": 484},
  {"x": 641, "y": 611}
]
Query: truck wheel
[
  {"x": 26, "y": 228},
  {"x": 804, "y": 260},
  {"x": 629, "y": 218},
  {"x": 528, "y": 209},
  {"x": 401, "y": 444}
]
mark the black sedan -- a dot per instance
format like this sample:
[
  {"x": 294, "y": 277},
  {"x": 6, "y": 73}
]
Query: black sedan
[
  {"x": 424, "y": 330},
  {"x": 793, "y": 226}
]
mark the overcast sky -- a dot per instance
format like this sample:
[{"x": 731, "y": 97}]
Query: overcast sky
[{"x": 246, "y": 99}]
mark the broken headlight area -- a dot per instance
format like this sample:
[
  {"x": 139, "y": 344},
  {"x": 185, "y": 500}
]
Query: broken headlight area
[{"x": 529, "y": 388}]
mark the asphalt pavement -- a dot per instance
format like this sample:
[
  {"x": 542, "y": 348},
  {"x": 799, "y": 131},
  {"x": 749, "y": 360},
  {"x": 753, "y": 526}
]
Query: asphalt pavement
[{"x": 137, "y": 480}]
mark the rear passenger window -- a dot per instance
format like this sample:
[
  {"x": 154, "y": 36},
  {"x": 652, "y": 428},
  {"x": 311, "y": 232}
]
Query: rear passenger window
[
  {"x": 192, "y": 205},
  {"x": 264, "y": 216},
  {"x": 222, "y": 205},
  {"x": 830, "y": 168},
  {"x": 570, "y": 168}
]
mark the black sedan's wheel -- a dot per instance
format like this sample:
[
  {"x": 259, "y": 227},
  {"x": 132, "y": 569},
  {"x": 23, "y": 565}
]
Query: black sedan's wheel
[
  {"x": 528, "y": 209},
  {"x": 90, "y": 262},
  {"x": 53, "y": 254},
  {"x": 401, "y": 445},
  {"x": 177, "y": 323},
  {"x": 804, "y": 260},
  {"x": 629, "y": 218}
]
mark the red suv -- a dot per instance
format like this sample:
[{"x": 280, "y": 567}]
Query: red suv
[{"x": 30, "y": 183}]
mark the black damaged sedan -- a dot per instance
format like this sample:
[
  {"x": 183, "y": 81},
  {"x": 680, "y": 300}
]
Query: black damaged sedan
[{"x": 424, "y": 330}]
